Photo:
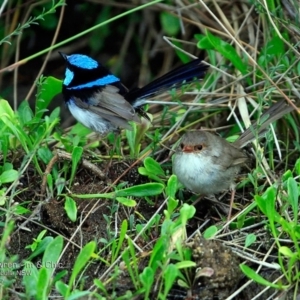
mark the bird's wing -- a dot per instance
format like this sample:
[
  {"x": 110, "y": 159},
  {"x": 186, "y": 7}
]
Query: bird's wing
[
  {"x": 230, "y": 156},
  {"x": 110, "y": 105}
]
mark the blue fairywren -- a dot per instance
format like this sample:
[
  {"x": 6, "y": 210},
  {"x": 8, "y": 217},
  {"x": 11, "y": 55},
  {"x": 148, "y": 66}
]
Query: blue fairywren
[{"x": 98, "y": 99}]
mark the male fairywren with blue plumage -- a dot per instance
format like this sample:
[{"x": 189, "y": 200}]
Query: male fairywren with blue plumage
[{"x": 98, "y": 99}]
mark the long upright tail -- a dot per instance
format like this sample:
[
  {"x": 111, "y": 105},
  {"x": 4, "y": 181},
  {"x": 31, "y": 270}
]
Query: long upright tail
[
  {"x": 187, "y": 73},
  {"x": 272, "y": 114}
]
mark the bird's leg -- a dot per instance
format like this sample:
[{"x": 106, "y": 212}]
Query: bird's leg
[{"x": 232, "y": 188}]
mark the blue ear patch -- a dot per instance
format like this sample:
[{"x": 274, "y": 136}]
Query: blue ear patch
[
  {"x": 100, "y": 82},
  {"x": 69, "y": 75},
  {"x": 82, "y": 61}
]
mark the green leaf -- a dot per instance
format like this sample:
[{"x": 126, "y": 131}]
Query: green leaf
[
  {"x": 115, "y": 250},
  {"x": 226, "y": 50},
  {"x": 185, "y": 264},
  {"x": 79, "y": 295},
  {"x": 172, "y": 186},
  {"x": 47, "y": 90},
  {"x": 76, "y": 157},
  {"x": 52, "y": 254},
  {"x": 170, "y": 274},
  {"x": 100, "y": 285},
  {"x": 210, "y": 232},
  {"x": 19, "y": 209},
  {"x": 6, "y": 110},
  {"x": 30, "y": 277},
  {"x": 131, "y": 138},
  {"x": 287, "y": 175},
  {"x": 71, "y": 208},
  {"x": 126, "y": 201},
  {"x": 25, "y": 113},
  {"x": 142, "y": 190},
  {"x": 153, "y": 166},
  {"x": 287, "y": 252},
  {"x": 45, "y": 154},
  {"x": 169, "y": 23},
  {"x": 42, "y": 284},
  {"x": 41, "y": 246},
  {"x": 203, "y": 42},
  {"x": 61, "y": 287},
  {"x": 250, "y": 239},
  {"x": 257, "y": 278},
  {"x": 266, "y": 204},
  {"x": 8, "y": 176},
  {"x": 293, "y": 197},
  {"x": 186, "y": 212},
  {"x": 147, "y": 279},
  {"x": 171, "y": 205},
  {"x": 274, "y": 47},
  {"x": 297, "y": 167},
  {"x": 149, "y": 174},
  {"x": 83, "y": 257}
]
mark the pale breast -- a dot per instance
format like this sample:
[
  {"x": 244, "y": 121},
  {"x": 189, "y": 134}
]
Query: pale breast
[{"x": 200, "y": 175}]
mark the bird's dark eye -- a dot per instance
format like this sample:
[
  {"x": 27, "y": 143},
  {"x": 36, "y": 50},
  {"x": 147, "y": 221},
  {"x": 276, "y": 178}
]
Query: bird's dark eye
[
  {"x": 181, "y": 146},
  {"x": 198, "y": 147}
]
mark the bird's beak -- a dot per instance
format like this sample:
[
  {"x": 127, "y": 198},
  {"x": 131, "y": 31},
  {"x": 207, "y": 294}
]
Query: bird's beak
[
  {"x": 63, "y": 55},
  {"x": 188, "y": 149}
]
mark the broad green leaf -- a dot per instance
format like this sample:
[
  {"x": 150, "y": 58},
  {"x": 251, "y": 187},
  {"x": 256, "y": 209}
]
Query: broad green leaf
[
  {"x": 153, "y": 166},
  {"x": 147, "y": 280},
  {"x": 274, "y": 47},
  {"x": 186, "y": 212},
  {"x": 225, "y": 49},
  {"x": 172, "y": 186},
  {"x": 6, "y": 110},
  {"x": 30, "y": 277},
  {"x": 171, "y": 205},
  {"x": 185, "y": 264},
  {"x": 42, "y": 284},
  {"x": 287, "y": 252},
  {"x": 170, "y": 23},
  {"x": 210, "y": 232},
  {"x": 41, "y": 246},
  {"x": 52, "y": 254},
  {"x": 170, "y": 274},
  {"x": 126, "y": 201},
  {"x": 203, "y": 42},
  {"x": 250, "y": 239},
  {"x": 8, "y": 176},
  {"x": 20, "y": 210},
  {"x": 45, "y": 154},
  {"x": 25, "y": 113},
  {"x": 61, "y": 287},
  {"x": 71, "y": 208},
  {"x": 49, "y": 88}
]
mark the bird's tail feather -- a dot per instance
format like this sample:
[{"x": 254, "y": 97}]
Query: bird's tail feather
[{"x": 187, "y": 73}]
